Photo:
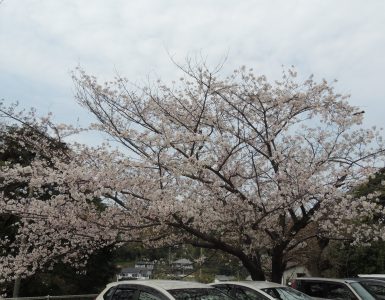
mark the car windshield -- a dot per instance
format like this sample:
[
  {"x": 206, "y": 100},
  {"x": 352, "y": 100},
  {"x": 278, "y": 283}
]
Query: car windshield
[
  {"x": 199, "y": 294},
  {"x": 285, "y": 293}
]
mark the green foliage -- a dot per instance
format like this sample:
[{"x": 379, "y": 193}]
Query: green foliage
[
  {"x": 215, "y": 262},
  {"x": 346, "y": 260},
  {"x": 374, "y": 184},
  {"x": 205, "y": 277},
  {"x": 61, "y": 279},
  {"x": 135, "y": 252},
  {"x": 64, "y": 279}
]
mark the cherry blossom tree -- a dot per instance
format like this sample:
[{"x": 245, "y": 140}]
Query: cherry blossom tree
[{"x": 238, "y": 164}]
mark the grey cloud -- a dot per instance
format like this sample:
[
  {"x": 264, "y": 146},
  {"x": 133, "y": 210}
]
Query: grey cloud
[{"x": 44, "y": 40}]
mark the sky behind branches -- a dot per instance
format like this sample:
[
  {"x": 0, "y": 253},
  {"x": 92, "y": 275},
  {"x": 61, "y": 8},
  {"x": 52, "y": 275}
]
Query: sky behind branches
[{"x": 42, "y": 41}]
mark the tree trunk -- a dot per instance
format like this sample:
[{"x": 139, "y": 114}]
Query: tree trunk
[
  {"x": 277, "y": 265},
  {"x": 16, "y": 287},
  {"x": 253, "y": 266}
]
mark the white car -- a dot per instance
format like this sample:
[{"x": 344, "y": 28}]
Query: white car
[
  {"x": 340, "y": 289},
  {"x": 259, "y": 290},
  {"x": 160, "y": 290}
]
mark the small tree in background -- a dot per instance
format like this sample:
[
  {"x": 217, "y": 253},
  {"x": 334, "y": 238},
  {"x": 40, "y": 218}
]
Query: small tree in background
[
  {"x": 21, "y": 146},
  {"x": 350, "y": 260}
]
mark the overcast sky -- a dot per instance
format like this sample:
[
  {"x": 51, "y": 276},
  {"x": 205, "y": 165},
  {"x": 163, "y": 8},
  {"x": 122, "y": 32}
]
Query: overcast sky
[{"x": 42, "y": 41}]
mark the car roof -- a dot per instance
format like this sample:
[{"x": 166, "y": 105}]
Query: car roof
[
  {"x": 251, "y": 284},
  {"x": 162, "y": 284},
  {"x": 367, "y": 279},
  {"x": 327, "y": 279},
  {"x": 371, "y": 275}
]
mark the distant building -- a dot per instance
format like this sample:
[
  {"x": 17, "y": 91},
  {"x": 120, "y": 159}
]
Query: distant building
[
  {"x": 182, "y": 267},
  {"x": 149, "y": 265},
  {"x": 134, "y": 273},
  {"x": 294, "y": 271},
  {"x": 182, "y": 264}
]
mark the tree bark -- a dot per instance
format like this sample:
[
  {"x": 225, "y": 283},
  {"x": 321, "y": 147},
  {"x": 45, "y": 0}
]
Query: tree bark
[
  {"x": 277, "y": 265},
  {"x": 253, "y": 266},
  {"x": 16, "y": 287}
]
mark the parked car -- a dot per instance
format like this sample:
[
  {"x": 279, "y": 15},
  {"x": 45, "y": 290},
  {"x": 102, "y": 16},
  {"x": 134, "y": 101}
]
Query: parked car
[
  {"x": 160, "y": 290},
  {"x": 331, "y": 288},
  {"x": 373, "y": 286},
  {"x": 259, "y": 290}
]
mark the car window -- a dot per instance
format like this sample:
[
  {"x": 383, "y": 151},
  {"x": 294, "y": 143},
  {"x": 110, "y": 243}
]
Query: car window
[
  {"x": 327, "y": 290},
  {"x": 143, "y": 295},
  {"x": 377, "y": 289},
  {"x": 199, "y": 294},
  {"x": 245, "y": 293},
  {"x": 338, "y": 291},
  {"x": 223, "y": 288},
  {"x": 122, "y": 293},
  {"x": 286, "y": 293},
  {"x": 107, "y": 295},
  {"x": 314, "y": 289}
]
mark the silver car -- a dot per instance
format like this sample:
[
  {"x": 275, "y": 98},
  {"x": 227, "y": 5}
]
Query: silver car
[
  {"x": 259, "y": 290},
  {"x": 160, "y": 290},
  {"x": 332, "y": 288}
]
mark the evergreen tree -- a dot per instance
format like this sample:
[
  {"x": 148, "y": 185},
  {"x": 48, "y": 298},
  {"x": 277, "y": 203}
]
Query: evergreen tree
[{"x": 349, "y": 260}]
